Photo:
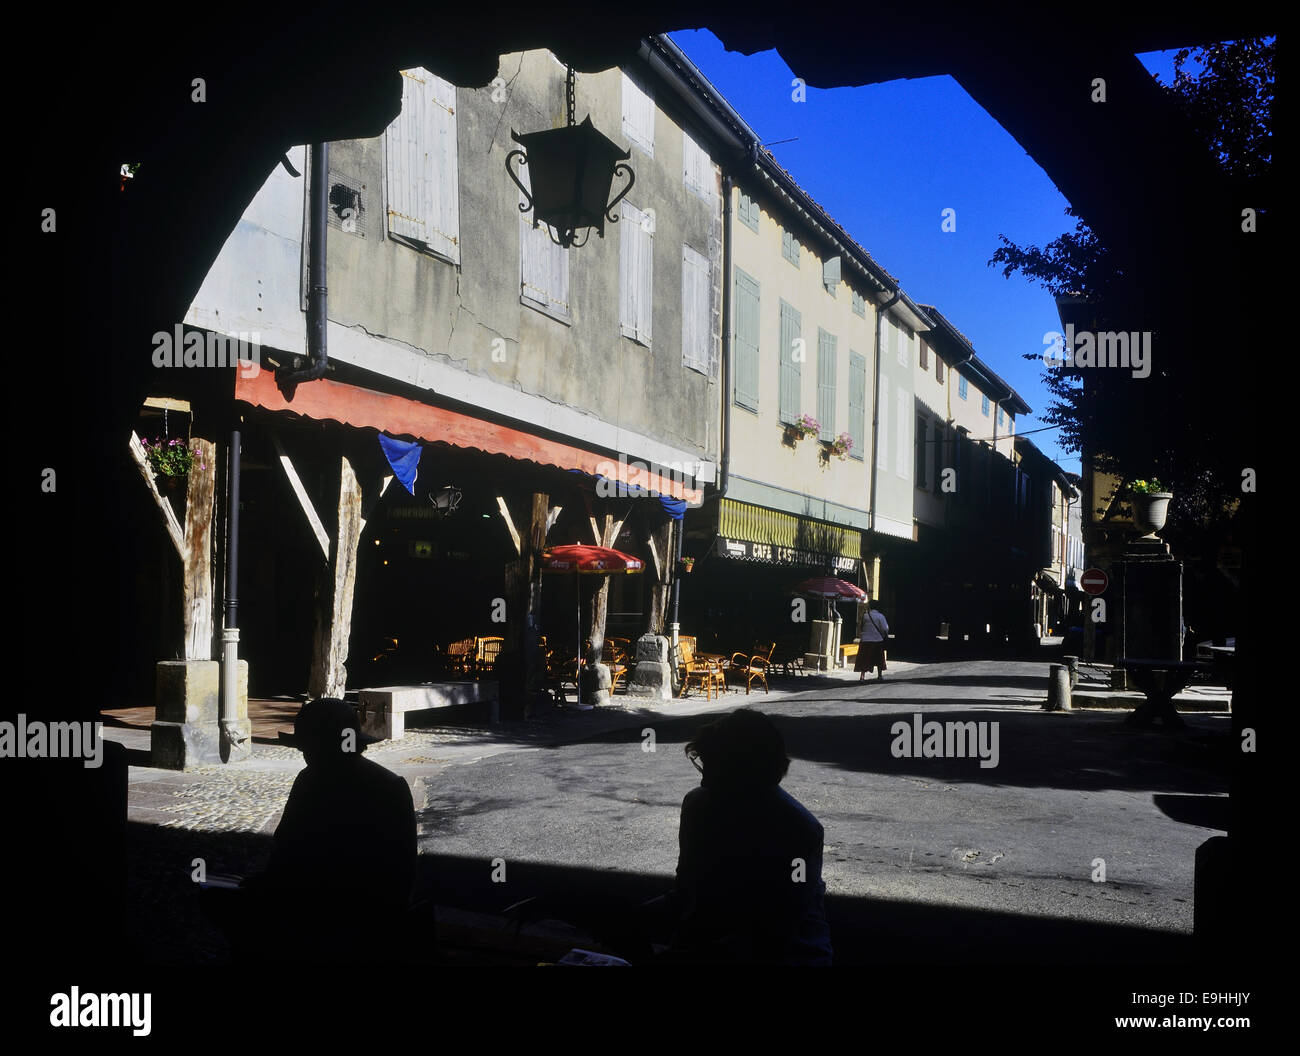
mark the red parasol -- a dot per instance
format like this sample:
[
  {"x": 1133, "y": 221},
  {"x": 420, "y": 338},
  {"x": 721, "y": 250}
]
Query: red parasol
[
  {"x": 831, "y": 587},
  {"x": 594, "y": 559},
  {"x": 582, "y": 559}
]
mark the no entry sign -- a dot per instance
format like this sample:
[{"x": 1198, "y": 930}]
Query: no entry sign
[{"x": 1094, "y": 581}]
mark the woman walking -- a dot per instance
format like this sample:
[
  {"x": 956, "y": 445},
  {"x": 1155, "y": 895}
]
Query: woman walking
[{"x": 871, "y": 644}]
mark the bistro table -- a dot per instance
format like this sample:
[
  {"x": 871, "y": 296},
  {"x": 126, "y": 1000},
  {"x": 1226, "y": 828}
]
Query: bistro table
[
  {"x": 719, "y": 664},
  {"x": 1161, "y": 681}
]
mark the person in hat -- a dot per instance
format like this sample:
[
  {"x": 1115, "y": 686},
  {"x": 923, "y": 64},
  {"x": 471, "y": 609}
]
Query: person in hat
[
  {"x": 871, "y": 643},
  {"x": 346, "y": 844}
]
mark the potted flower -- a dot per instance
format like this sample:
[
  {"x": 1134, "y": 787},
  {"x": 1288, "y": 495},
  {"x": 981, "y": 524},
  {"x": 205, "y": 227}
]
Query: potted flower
[
  {"x": 1150, "y": 505},
  {"x": 170, "y": 461},
  {"x": 841, "y": 446},
  {"x": 685, "y": 565},
  {"x": 804, "y": 425}
]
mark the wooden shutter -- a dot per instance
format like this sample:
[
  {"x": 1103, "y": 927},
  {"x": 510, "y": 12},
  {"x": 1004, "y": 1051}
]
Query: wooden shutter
[
  {"x": 827, "y": 350},
  {"x": 903, "y": 452},
  {"x": 635, "y": 280},
  {"x": 746, "y": 341},
  {"x": 697, "y": 168},
  {"x": 421, "y": 162},
  {"x": 638, "y": 115},
  {"x": 882, "y": 438},
  {"x": 857, "y": 402},
  {"x": 791, "y": 330},
  {"x": 543, "y": 266},
  {"x": 445, "y": 182},
  {"x": 696, "y": 329}
]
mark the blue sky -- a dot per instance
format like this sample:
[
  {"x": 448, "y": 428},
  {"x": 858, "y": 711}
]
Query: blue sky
[{"x": 885, "y": 160}]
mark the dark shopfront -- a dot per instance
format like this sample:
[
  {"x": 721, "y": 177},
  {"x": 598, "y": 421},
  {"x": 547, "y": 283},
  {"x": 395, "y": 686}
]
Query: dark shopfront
[{"x": 741, "y": 590}]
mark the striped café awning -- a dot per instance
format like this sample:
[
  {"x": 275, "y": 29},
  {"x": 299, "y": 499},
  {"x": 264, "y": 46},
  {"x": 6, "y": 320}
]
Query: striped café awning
[{"x": 756, "y": 533}]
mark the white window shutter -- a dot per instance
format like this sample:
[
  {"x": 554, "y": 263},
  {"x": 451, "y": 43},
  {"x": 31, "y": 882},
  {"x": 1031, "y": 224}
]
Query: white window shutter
[
  {"x": 407, "y": 149},
  {"x": 543, "y": 266},
  {"x": 629, "y": 232},
  {"x": 445, "y": 182},
  {"x": 696, "y": 331},
  {"x": 423, "y": 178},
  {"x": 904, "y": 449},
  {"x": 697, "y": 167},
  {"x": 882, "y": 452},
  {"x": 638, "y": 115},
  {"x": 645, "y": 282}
]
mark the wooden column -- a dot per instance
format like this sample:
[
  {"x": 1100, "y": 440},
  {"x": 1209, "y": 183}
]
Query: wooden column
[
  {"x": 200, "y": 589},
  {"x": 328, "y": 675},
  {"x": 522, "y": 665},
  {"x": 657, "y": 535}
]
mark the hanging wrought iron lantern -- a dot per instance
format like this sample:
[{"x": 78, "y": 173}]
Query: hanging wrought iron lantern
[{"x": 571, "y": 171}]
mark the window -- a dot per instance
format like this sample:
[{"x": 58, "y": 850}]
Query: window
[
  {"x": 857, "y": 403},
  {"x": 827, "y": 349},
  {"x": 543, "y": 266},
  {"x": 748, "y": 211},
  {"x": 831, "y": 275},
  {"x": 904, "y": 346},
  {"x": 639, "y": 114},
  {"x": 746, "y": 341},
  {"x": 923, "y": 356},
  {"x": 984, "y": 405},
  {"x": 961, "y": 386},
  {"x": 420, "y": 159},
  {"x": 791, "y": 360},
  {"x": 938, "y": 368},
  {"x": 859, "y": 304},
  {"x": 697, "y": 168},
  {"x": 922, "y": 448},
  {"x": 697, "y": 318},
  {"x": 790, "y": 248},
  {"x": 636, "y": 272},
  {"x": 999, "y": 416}
]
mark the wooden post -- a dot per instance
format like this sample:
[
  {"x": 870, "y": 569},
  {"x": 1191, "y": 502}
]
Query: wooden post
[
  {"x": 200, "y": 591},
  {"x": 658, "y": 539},
  {"x": 522, "y": 665},
  {"x": 328, "y": 675}
]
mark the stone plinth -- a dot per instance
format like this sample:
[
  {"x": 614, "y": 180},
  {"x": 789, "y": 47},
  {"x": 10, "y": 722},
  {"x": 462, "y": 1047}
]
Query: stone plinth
[
  {"x": 596, "y": 681},
  {"x": 186, "y": 731},
  {"x": 652, "y": 676},
  {"x": 383, "y": 709},
  {"x": 1151, "y": 597}
]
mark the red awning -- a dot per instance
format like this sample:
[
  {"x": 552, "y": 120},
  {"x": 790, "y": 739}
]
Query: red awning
[{"x": 335, "y": 401}]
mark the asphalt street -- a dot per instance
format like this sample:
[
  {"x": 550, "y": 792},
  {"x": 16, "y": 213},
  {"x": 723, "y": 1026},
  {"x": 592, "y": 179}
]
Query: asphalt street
[{"x": 920, "y": 852}]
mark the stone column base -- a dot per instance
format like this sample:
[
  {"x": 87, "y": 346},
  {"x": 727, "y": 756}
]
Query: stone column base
[{"x": 186, "y": 732}]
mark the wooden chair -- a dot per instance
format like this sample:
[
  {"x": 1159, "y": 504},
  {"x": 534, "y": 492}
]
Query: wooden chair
[
  {"x": 486, "y": 656},
  {"x": 753, "y": 668},
  {"x": 460, "y": 656},
  {"x": 703, "y": 672}
]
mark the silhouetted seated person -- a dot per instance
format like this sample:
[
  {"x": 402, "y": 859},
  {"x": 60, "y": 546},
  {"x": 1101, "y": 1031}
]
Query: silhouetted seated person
[
  {"x": 741, "y": 894},
  {"x": 345, "y": 851}
]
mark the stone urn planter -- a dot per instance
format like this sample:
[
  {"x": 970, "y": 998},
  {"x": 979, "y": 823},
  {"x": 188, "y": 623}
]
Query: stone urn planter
[{"x": 1150, "y": 511}]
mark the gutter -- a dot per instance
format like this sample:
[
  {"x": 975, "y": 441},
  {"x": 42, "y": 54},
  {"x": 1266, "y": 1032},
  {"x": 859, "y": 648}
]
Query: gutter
[{"x": 317, "y": 294}]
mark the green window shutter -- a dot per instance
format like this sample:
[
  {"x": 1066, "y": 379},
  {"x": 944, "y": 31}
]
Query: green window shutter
[
  {"x": 859, "y": 304},
  {"x": 791, "y": 331},
  {"x": 857, "y": 403},
  {"x": 746, "y": 341},
  {"x": 827, "y": 348},
  {"x": 748, "y": 211}
]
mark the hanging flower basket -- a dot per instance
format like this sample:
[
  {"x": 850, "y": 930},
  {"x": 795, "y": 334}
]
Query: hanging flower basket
[
  {"x": 839, "y": 447},
  {"x": 685, "y": 565},
  {"x": 169, "y": 460}
]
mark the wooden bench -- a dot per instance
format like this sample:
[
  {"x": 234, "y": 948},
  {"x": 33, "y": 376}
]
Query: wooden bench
[{"x": 383, "y": 710}]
